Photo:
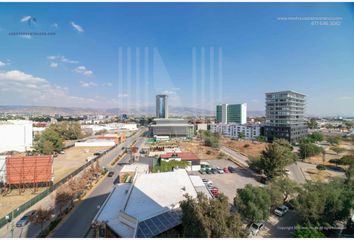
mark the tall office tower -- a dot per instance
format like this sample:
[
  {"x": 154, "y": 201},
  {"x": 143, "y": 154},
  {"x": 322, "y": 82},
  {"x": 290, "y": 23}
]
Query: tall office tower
[
  {"x": 161, "y": 106},
  {"x": 231, "y": 113},
  {"x": 285, "y": 116}
]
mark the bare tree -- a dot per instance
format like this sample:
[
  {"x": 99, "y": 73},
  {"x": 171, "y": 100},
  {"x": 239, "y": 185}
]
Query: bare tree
[
  {"x": 63, "y": 197},
  {"x": 41, "y": 216}
]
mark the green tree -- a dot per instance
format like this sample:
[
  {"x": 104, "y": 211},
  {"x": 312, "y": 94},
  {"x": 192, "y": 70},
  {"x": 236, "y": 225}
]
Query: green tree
[
  {"x": 309, "y": 149},
  {"x": 209, "y": 218},
  {"x": 286, "y": 187},
  {"x": 312, "y": 123},
  {"x": 253, "y": 203},
  {"x": 210, "y": 139},
  {"x": 316, "y": 137},
  {"x": 325, "y": 203},
  {"x": 333, "y": 140},
  {"x": 274, "y": 159},
  {"x": 307, "y": 232},
  {"x": 260, "y": 139},
  {"x": 49, "y": 141}
]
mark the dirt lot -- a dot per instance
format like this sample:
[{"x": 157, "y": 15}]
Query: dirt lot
[
  {"x": 330, "y": 154},
  {"x": 203, "y": 152},
  {"x": 253, "y": 148},
  {"x": 72, "y": 159},
  {"x": 63, "y": 165}
]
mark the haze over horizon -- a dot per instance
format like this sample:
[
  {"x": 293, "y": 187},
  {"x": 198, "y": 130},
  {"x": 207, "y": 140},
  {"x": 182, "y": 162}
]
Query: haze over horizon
[{"x": 119, "y": 55}]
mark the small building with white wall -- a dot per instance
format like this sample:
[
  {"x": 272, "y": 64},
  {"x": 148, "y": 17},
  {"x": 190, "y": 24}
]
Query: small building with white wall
[{"x": 16, "y": 135}]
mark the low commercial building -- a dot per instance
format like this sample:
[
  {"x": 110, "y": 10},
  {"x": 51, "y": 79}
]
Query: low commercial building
[
  {"x": 172, "y": 128},
  {"x": 15, "y": 135},
  {"x": 145, "y": 208},
  {"x": 191, "y": 158},
  {"x": 234, "y": 130}
]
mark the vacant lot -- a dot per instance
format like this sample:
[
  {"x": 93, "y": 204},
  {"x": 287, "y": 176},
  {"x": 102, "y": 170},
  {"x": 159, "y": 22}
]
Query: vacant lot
[
  {"x": 63, "y": 165},
  {"x": 72, "y": 159},
  {"x": 247, "y": 147},
  {"x": 203, "y": 152}
]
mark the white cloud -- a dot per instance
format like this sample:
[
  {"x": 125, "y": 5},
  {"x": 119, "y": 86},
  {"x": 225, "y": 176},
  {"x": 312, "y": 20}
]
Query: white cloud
[
  {"x": 3, "y": 64},
  {"x": 62, "y": 59},
  {"x": 108, "y": 84},
  {"x": 53, "y": 65},
  {"x": 26, "y": 18},
  {"x": 87, "y": 84},
  {"x": 55, "y": 25},
  {"x": 36, "y": 90},
  {"x": 83, "y": 70},
  {"x": 343, "y": 98},
  {"x": 77, "y": 27}
]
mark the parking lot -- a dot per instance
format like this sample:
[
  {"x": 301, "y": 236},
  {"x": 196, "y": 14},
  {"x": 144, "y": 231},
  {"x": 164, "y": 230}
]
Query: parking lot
[{"x": 228, "y": 183}]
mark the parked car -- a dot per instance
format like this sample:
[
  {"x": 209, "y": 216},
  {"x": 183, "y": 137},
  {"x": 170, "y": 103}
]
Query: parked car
[
  {"x": 263, "y": 179},
  {"x": 202, "y": 171},
  {"x": 208, "y": 171},
  {"x": 289, "y": 204},
  {"x": 255, "y": 228},
  {"x": 110, "y": 174},
  {"x": 232, "y": 169},
  {"x": 205, "y": 180},
  {"x": 226, "y": 170},
  {"x": 219, "y": 170},
  {"x": 281, "y": 210},
  {"x": 214, "y": 171},
  {"x": 25, "y": 219}
]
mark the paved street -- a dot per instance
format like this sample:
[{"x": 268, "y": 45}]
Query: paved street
[
  {"x": 79, "y": 221},
  {"x": 241, "y": 159}
]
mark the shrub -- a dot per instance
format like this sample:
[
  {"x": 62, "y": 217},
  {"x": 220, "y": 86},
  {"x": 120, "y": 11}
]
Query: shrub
[
  {"x": 246, "y": 145},
  {"x": 321, "y": 167}
]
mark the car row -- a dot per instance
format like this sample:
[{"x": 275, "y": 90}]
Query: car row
[
  {"x": 26, "y": 218},
  {"x": 213, "y": 190},
  {"x": 215, "y": 170}
]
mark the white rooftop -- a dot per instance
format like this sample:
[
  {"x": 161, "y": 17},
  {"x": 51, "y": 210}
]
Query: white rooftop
[{"x": 151, "y": 194}]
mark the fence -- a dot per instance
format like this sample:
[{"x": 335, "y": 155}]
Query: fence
[{"x": 106, "y": 157}]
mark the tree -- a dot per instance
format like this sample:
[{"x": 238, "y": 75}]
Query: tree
[
  {"x": 286, "y": 187},
  {"x": 49, "y": 141},
  {"x": 48, "y": 147},
  {"x": 333, "y": 140},
  {"x": 274, "y": 159},
  {"x": 253, "y": 203},
  {"x": 316, "y": 137},
  {"x": 309, "y": 149},
  {"x": 260, "y": 139},
  {"x": 312, "y": 123},
  {"x": 349, "y": 174},
  {"x": 210, "y": 218},
  {"x": 41, "y": 216},
  {"x": 210, "y": 139},
  {"x": 337, "y": 150},
  {"x": 307, "y": 232},
  {"x": 63, "y": 197},
  {"x": 324, "y": 203}
]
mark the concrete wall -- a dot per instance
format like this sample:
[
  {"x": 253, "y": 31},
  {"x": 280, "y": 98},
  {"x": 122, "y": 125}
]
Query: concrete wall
[{"x": 16, "y": 136}]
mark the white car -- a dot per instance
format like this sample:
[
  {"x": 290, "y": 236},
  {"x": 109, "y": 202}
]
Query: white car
[
  {"x": 255, "y": 228},
  {"x": 219, "y": 170},
  {"x": 281, "y": 210}
]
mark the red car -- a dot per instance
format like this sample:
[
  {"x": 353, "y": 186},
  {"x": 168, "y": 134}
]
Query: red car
[{"x": 226, "y": 170}]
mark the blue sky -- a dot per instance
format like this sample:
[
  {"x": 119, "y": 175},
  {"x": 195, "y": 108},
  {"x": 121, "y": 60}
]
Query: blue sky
[{"x": 122, "y": 54}]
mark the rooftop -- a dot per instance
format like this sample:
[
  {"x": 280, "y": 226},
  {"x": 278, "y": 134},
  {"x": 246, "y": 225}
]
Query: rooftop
[
  {"x": 131, "y": 207},
  {"x": 182, "y": 155}
]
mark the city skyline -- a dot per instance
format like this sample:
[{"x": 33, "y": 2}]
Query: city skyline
[{"x": 123, "y": 54}]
